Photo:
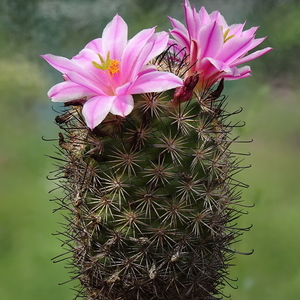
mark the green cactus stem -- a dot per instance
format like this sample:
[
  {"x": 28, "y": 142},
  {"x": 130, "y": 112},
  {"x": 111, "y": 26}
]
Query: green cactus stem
[{"x": 151, "y": 199}]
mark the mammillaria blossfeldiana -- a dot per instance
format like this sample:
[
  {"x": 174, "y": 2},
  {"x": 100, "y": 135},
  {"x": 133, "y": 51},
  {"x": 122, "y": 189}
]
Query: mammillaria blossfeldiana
[
  {"x": 106, "y": 73},
  {"x": 150, "y": 182},
  {"x": 212, "y": 48}
]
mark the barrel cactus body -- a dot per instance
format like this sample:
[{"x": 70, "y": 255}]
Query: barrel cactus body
[
  {"x": 145, "y": 161},
  {"x": 152, "y": 199}
]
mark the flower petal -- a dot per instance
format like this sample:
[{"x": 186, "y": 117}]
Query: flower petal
[
  {"x": 251, "y": 56},
  {"x": 68, "y": 90},
  {"x": 211, "y": 67},
  {"x": 60, "y": 63},
  {"x": 218, "y": 64},
  {"x": 159, "y": 44},
  {"x": 95, "y": 45},
  {"x": 135, "y": 54},
  {"x": 114, "y": 38},
  {"x": 249, "y": 32},
  {"x": 155, "y": 82},
  {"x": 85, "y": 57},
  {"x": 66, "y": 66},
  {"x": 210, "y": 39},
  {"x": 192, "y": 22},
  {"x": 96, "y": 109},
  {"x": 99, "y": 85},
  {"x": 236, "y": 29},
  {"x": 177, "y": 25},
  {"x": 238, "y": 73},
  {"x": 234, "y": 48},
  {"x": 181, "y": 39},
  {"x": 122, "y": 105},
  {"x": 216, "y": 16},
  {"x": 204, "y": 16},
  {"x": 180, "y": 33},
  {"x": 195, "y": 54}
]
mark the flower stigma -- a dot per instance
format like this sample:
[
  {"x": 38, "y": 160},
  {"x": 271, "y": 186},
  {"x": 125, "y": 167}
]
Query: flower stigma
[{"x": 226, "y": 37}]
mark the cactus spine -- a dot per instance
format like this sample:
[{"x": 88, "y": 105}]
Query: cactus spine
[{"x": 151, "y": 198}]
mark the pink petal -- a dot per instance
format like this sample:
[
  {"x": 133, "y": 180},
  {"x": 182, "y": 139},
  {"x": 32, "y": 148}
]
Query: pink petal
[
  {"x": 66, "y": 66},
  {"x": 60, "y": 63},
  {"x": 124, "y": 89},
  {"x": 98, "y": 86},
  {"x": 234, "y": 48},
  {"x": 134, "y": 54},
  {"x": 204, "y": 16},
  {"x": 159, "y": 45},
  {"x": 190, "y": 19},
  {"x": 155, "y": 82},
  {"x": 114, "y": 37},
  {"x": 251, "y": 56},
  {"x": 195, "y": 54},
  {"x": 210, "y": 40},
  {"x": 236, "y": 29},
  {"x": 68, "y": 90},
  {"x": 155, "y": 45},
  {"x": 95, "y": 45},
  {"x": 238, "y": 73},
  {"x": 215, "y": 16},
  {"x": 181, "y": 39},
  {"x": 85, "y": 57},
  {"x": 254, "y": 43},
  {"x": 249, "y": 32},
  {"x": 96, "y": 109},
  {"x": 211, "y": 67},
  {"x": 147, "y": 68},
  {"x": 218, "y": 64},
  {"x": 178, "y": 26},
  {"x": 122, "y": 105}
]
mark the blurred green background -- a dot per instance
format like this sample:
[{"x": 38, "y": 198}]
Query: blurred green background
[{"x": 271, "y": 110}]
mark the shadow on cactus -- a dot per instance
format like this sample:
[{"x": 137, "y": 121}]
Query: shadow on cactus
[{"x": 144, "y": 159}]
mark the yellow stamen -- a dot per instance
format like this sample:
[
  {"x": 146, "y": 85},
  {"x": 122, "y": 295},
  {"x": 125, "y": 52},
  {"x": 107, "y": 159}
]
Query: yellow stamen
[{"x": 114, "y": 67}]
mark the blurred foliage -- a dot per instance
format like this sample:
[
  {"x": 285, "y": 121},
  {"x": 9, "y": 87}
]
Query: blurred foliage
[
  {"x": 62, "y": 26},
  {"x": 271, "y": 110},
  {"x": 15, "y": 73},
  {"x": 279, "y": 21}
]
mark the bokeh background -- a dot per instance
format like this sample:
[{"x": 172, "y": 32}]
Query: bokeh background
[{"x": 271, "y": 110}]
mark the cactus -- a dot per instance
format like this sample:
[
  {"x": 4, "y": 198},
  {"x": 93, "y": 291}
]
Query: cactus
[
  {"x": 151, "y": 195},
  {"x": 151, "y": 199}
]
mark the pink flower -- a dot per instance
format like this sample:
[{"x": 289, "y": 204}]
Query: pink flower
[
  {"x": 109, "y": 70},
  {"x": 214, "y": 49}
]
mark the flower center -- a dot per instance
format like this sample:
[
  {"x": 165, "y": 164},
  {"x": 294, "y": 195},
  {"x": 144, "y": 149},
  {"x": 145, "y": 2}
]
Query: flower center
[
  {"x": 114, "y": 67},
  {"x": 111, "y": 65},
  {"x": 226, "y": 37}
]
